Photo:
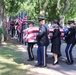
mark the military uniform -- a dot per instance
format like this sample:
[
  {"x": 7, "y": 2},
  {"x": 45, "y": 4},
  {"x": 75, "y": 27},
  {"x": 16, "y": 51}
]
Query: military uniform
[
  {"x": 30, "y": 52},
  {"x": 70, "y": 40},
  {"x": 56, "y": 41},
  {"x": 30, "y": 45},
  {"x": 43, "y": 42}
]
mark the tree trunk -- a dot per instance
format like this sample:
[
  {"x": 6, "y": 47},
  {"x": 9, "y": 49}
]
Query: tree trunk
[
  {"x": 63, "y": 10},
  {"x": 62, "y": 17},
  {"x": 43, "y": 9},
  {"x": 1, "y": 13},
  {"x": 2, "y": 20}
]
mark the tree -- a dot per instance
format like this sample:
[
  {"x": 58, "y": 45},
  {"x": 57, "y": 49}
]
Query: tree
[
  {"x": 53, "y": 13},
  {"x": 62, "y": 6},
  {"x": 42, "y": 7},
  {"x": 2, "y": 18},
  {"x": 50, "y": 9},
  {"x": 1, "y": 12},
  {"x": 71, "y": 13},
  {"x": 10, "y": 6}
]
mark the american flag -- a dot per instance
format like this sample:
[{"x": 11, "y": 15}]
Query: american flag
[
  {"x": 25, "y": 17},
  {"x": 31, "y": 33},
  {"x": 21, "y": 17},
  {"x": 51, "y": 33},
  {"x": 8, "y": 21}
]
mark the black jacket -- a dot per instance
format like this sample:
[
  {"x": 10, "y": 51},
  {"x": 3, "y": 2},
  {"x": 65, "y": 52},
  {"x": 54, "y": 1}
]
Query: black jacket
[
  {"x": 56, "y": 36},
  {"x": 70, "y": 36},
  {"x": 42, "y": 36},
  {"x": 12, "y": 27}
]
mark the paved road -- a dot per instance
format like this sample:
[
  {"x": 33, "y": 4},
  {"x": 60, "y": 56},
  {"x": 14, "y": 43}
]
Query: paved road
[{"x": 61, "y": 68}]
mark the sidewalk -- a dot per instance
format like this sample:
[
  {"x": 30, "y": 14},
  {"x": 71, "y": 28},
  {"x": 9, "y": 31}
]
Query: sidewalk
[{"x": 60, "y": 69}]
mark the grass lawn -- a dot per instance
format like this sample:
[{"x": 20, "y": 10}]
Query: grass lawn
[{"x": 11, "y": 62}]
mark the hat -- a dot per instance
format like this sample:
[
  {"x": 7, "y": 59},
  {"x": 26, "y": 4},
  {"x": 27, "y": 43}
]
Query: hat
[
  {"x": 71, "y": 21},
  {"x": 41, "y": 18},
  {"x": 30, "y": 22},
  {"x": 56, "y": 21}
]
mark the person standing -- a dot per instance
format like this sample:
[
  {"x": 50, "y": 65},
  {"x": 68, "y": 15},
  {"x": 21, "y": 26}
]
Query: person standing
[
  {"x": 56, "y": 42},
  {"x": 23, "y": 27},
  {"x": 12, "y": 27},
  {"x": 19, "y": 32},
  {"x": 42, "y": 43},
  {"x": 30, "y": 39},
  {"x": 70, "y": 40}
]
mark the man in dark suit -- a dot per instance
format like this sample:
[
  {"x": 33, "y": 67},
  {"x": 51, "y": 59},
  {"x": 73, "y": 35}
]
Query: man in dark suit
[
  {"x": 43, "y": 42},
  {"x": 70, "y": 40}
]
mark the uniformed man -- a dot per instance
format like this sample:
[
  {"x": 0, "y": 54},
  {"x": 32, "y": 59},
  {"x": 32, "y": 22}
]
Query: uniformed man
[
  {"x": 30, "y": 44},
  {"x": 43, "y": 42},
  {"x": 70, "y": 40}
]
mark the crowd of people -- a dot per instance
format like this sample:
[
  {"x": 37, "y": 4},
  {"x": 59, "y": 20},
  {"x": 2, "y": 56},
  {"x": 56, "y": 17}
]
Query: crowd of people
[{"x": 30, "y": 34}]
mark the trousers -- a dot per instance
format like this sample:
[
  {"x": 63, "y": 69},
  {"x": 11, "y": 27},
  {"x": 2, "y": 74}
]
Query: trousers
[
  {"x": 30, "y": 52},
  {"x": 68, "y": 52},
  {"x": 41, "y": 55}
]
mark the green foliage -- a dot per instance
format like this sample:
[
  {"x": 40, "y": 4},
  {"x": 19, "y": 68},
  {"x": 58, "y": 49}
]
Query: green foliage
[
  {"x": 13, "y": 7},
  {"x": 71, "y": 14},
  {"x": 52, "y": 10}
]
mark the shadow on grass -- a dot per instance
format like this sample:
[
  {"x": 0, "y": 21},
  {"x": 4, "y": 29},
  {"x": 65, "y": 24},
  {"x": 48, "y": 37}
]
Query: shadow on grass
[
  {"x": 11, "y": 62},
  {"x": 13, "y": 69},
  {"x": 9, "y": 52}
]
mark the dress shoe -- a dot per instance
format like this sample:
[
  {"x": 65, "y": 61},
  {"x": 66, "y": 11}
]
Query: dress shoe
[
  {"x": 52, "y": 57},
  {"x": 55, "y": 63},
  {"x": 46, "y": 55},
  {"x": 38, "y": 65},
  {"x": 43, "y": 66},
  {"x": 68, "y": 63},
  {"x": 30, "y": 59},
  {"x": 72, "y": 62},
  {"x": 59, "y": 55}
]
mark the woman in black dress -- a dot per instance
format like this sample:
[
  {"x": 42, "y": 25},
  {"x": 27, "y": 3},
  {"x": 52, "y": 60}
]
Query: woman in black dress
[{"x": 56, "y": 42}]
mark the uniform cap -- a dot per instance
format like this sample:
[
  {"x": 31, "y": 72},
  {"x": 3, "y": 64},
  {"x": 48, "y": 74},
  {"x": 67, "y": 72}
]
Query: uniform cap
[
  {"x": 56, "y": 21},
  {"x": 71, "y": 21},
  {"x": 41, "y": 18},
  {"x": 30, "y": 22}
]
